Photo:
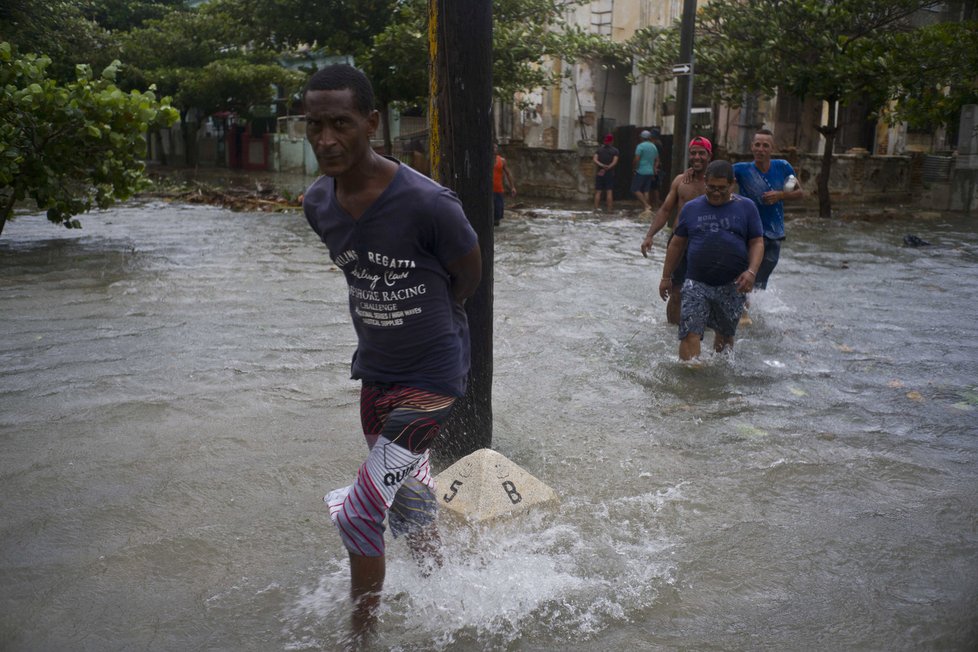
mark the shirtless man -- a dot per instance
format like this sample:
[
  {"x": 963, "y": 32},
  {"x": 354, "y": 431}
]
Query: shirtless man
[{"x": 680, "y": 192}]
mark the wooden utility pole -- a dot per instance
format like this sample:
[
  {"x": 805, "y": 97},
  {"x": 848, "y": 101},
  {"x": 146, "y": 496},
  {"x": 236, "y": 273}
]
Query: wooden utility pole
[
  {"x": 684, "y": 89},
  {"x": 460, "y": 124}
]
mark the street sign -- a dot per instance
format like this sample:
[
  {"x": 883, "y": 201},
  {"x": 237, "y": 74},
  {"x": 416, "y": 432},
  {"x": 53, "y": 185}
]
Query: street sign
[{"x": 682, "y": 69}]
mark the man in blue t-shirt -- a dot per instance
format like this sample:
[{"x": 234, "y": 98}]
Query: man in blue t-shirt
[
  {"x": 646, "y": 155},
  {"x": 410, "y": 259},
  {"x": 722, "y": 238},
  {"x": 764, "y": 182}
]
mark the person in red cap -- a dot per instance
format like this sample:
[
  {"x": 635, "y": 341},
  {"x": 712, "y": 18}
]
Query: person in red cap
[
  {"x": 681, "y": 191},
  {"x": 605, "y": 159}
]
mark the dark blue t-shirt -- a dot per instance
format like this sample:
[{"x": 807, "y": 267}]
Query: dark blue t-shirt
[
  {"x": 716, "y": 250},
  {"x": 409, "y": 328}
]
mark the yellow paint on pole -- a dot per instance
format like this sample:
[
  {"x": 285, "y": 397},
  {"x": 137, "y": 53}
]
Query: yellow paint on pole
[{"x": 434, "y": 118}]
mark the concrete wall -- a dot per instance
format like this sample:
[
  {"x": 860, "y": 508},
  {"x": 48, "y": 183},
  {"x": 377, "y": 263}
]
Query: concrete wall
[
  {"x": 551, "y": 173},
  {"x": 856, "y": 179},
  {"x": 293, "y": 155}
]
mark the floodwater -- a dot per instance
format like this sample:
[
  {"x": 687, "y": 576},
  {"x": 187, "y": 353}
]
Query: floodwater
[{"x": 175, "y": 400}]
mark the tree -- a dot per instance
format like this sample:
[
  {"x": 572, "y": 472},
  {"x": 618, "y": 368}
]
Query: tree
[
  {"x": 70, "y": 146},
  {"x": 197, "y": 57},
  {"x": 124, "y": 15},
  {"x": 397, "y": 64},
  {"x": 340, "y": 27},
  {"x": 933, "y": 73},
  {"x": 60, "y": 31},
  {"x": 804, "y": 48}
]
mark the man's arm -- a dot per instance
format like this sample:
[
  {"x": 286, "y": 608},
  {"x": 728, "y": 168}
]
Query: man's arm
[
  {"x": 509, "y": 178},
  {"x": 662, "y": 215},
  {"x": 466, "y": 273},
  {"x": 774, "y": 196},
  {"x": 674, "y": 253},
  {"x": 755, "y": 254}
]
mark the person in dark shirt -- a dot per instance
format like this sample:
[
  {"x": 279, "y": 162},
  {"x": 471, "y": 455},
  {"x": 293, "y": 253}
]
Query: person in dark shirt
[
  {"x": 410, "y": 259},
  {"x": 605, "y": 160},
  {"x": 723, "y": 240}
]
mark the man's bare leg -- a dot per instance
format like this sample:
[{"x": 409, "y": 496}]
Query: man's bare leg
[
  {"x": 642, "y": 197},
  {"x": 689, "y": 346},
  {"x": 722, "y": 342},
  {"x": 366, "y": 583},
  {"x": 425, "y": 546}
]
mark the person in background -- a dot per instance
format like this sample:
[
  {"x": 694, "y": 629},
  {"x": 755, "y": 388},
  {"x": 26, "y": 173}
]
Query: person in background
[
  {"x": 605, "y": 160},
  {"x": 657, "y": 177},
  {"x": 500, "y": 171},
  {"x": 722, "y": 238},
  {"x": 643, "y": 163},
  {"x": 683, "y": 188},
  {"x": 764, "y": 182},
  {"x": 410, "y": 259}
]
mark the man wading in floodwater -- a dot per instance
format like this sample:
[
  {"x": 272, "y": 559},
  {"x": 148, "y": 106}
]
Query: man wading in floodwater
[
  {"x": 687, "y": 185},
  {"x": 411, "y": 259},
  {"x": 725, "y": 246}
]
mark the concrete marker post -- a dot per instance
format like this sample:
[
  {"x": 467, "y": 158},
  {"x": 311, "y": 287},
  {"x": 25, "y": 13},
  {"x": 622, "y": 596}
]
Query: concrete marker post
[{"x": 486, "y": 485}]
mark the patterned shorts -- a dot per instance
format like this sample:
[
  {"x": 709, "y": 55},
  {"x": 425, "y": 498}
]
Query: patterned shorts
[
  {"x": 709, "y": 306},
  {"x": 399, "y": 424}
]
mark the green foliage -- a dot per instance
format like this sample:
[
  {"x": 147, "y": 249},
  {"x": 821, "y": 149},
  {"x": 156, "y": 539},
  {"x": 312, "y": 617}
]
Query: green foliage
[
  {"x": 123, "y": 15},
  {"x": 196, "y": 57},
  {"x": 234, "y": 85},
  {"x": 58, "y": 29},
  {"x": 933, "y": 72},
  {"x": 70, "y": 146},
  {"x": 397, "y": 64},
  {"x": 340, "y": 27}
]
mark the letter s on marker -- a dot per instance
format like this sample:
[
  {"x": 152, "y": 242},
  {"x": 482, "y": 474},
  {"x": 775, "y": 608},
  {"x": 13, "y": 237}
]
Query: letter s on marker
[{"x": 454, "y": 487}]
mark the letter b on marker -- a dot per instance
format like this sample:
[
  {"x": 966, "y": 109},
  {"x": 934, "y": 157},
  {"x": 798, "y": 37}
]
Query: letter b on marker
[{"x": 514, "y": 495}]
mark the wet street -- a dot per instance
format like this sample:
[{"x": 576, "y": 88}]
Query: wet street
[{"x": 175, "y": 400}]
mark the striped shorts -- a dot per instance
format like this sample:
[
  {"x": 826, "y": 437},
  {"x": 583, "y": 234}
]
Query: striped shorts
[{"x": 399, "y": 424}]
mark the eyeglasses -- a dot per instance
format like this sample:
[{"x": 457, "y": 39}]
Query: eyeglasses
[{"x": 710, "y": 188}]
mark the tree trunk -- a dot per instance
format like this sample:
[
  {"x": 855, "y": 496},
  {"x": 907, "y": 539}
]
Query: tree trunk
[
  {"x": 460, "y": 124},
  {"x": 828, "y": 131}
]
